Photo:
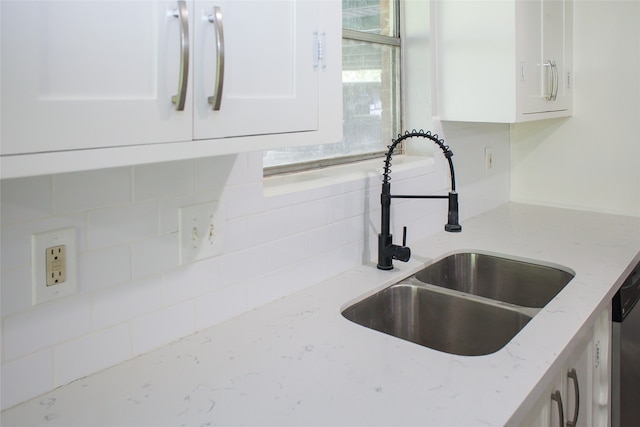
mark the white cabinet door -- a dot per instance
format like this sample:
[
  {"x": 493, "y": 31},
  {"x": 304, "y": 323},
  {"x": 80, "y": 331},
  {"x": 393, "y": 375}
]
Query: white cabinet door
[
  {"x": 90, "y": 74},
  {"x": 270, "y": 83},
  {"x": 549, "y": 410},
  {"x": 577, "y": 377},
  {"x": 583, "y": 384},
  {"x": 569, "y": 390},
  {"x": 544, "y": 30}
]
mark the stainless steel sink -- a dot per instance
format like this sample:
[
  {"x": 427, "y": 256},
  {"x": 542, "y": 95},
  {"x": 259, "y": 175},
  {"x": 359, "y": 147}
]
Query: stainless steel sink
[
  {"x": 449, "y": 323},
  {"x": 467, "y": 303},
  {"x": 522, "y": 283}
]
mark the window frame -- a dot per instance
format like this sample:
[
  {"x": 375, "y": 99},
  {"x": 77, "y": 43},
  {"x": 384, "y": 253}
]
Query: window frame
[{"x": 379, "y": 39}]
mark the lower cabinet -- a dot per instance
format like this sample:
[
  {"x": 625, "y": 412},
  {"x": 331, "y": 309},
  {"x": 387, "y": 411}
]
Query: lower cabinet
[{"x": 579, "y": 394}]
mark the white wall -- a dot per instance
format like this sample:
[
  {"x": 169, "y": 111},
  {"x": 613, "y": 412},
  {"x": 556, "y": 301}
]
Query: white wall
[{"x": 590, "y": 161}]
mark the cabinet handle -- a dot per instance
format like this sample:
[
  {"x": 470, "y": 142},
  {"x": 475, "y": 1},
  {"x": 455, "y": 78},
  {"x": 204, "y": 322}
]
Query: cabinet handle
[
  {"x": 554, "y": 69},
  {"x": 216, "y": 19},
  {"x": 573, "y": 375},
  {"x": 183, "y": 79},
  {"x": 551, "y": 94},
  {"x": 555, "y": 396},
  {"x": 548, "y": 94}
]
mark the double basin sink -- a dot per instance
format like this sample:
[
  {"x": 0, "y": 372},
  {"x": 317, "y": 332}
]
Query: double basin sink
[{"x": 467, "y": 303}]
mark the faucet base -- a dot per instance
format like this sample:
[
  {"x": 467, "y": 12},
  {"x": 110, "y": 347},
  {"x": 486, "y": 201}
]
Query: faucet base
[
  {"x": 387, "y": 252},
  {"x": 453, "y": 228}
]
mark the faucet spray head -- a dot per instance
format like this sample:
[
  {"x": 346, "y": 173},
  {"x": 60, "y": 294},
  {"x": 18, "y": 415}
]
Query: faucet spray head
[{"x": 453, "y": 224}]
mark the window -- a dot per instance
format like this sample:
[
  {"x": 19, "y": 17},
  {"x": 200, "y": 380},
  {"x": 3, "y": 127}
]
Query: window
[{"x": 371, "y": 90}]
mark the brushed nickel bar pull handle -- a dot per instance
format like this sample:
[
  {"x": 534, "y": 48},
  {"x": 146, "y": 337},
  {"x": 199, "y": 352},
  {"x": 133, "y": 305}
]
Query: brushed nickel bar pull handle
[
  {"x": 555, "y": 396},
  {"x": 554, "y": 69},
  {"x": 216, "y": 19},
  {"x": 573, "y": 375},
  {"x": 548, "y": 94},
  {"x": 182, "y": 14}
]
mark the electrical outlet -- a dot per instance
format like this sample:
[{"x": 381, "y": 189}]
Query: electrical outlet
[
  {"x": 53, "y": 265},
  {"x": 201, "y": 231},
  {"x": 56, "y": 265}
]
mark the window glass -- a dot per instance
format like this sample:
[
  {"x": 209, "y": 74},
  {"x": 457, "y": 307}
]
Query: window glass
[
  {"x": 370, "y": 16},
  {"x": 371, "y": 90}
]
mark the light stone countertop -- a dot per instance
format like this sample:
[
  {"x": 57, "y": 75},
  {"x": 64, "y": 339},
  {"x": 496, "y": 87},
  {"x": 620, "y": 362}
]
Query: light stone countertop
[{"x": 298, "y": 362}]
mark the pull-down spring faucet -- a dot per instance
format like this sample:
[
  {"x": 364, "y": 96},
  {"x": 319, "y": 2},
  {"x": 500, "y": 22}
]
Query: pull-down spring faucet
[{"x": 387, "y": 251}]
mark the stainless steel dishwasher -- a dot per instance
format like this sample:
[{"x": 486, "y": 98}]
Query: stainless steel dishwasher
[{"x": 625, "y": 367}]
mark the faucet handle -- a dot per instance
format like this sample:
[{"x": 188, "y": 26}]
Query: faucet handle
[
  {"x": 404, "y": 236},
  {"x": 401, "y": 253}
]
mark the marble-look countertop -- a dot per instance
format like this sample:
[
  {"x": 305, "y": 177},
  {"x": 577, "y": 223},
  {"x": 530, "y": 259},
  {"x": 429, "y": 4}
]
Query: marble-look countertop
[{"x": 298, "y": 362}]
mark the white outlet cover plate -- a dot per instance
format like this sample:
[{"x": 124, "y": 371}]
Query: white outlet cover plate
[
  {"x": 40, "y": 292},
  {"x": 201, "y": 230}
]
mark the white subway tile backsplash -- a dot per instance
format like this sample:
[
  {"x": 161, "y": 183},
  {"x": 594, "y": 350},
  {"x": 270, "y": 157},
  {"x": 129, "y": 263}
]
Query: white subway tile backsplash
[
  {"x": 15, "y": 291},
  {"x": 81, "y": 191},
  {"x": 326, "y": 238},
  {"x": 118, "y": 304},
  {"x": 213, "y": 173},
  {"x": 101, "y": 268},
  {"x": 348, "y": 205},
  {"x": 278, "y": 201},
  {"x": 25, "y": 199},
  {"x": 421, "y": 227},
  {"x": 310, "y": 272},
  {"x": 289, "y": 250},
  {"x": 244, "y": 199},
  {"x": 354, "y": 228},
  {"x": 163, "y": 179},
  {"x": 163, "y": 326},
  {"x": 46, "y": 325},
  {"x": 345, "y": 258},
  {"x": 91, "y": 353},
  {"x": 236, "y": 236},
  {"x": 27, "y": 377},
  {"x": 271, "y": 287},
  {"x": 324, "y": 192},
  {"x": 286, "y": 280},
  {"x": 244, "y": 265},
  {"x": 155, "y": 255},
  {"x": 269, "y": 226},
  {"x": 310, "y": 215},
  {"x": 422, "y": 184},
  {"x": 193, "y": 280},
  {"x": 357, "y": 184},
  {"x": 16, "y": 238},
  {"x": 216, "y": 307},
  {"x": 114, "y": 226}
]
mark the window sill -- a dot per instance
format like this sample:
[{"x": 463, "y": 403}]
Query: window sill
[{"x": 276, "y": 185}]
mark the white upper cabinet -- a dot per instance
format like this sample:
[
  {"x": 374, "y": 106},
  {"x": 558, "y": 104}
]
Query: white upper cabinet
[
  {"x": 101, "y": 83},
  {"x": 503, "y": 61},
  {"x": 89, "y": 74}
]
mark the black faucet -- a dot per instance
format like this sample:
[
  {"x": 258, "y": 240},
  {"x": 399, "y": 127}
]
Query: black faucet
[{"x": 387, "y": 251}]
